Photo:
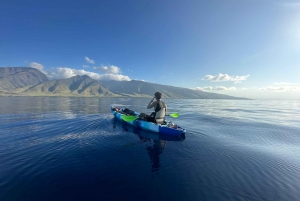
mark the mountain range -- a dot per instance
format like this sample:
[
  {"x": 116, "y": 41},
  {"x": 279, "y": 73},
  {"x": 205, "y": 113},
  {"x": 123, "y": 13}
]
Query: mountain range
[{"x": 25, "y": 81}]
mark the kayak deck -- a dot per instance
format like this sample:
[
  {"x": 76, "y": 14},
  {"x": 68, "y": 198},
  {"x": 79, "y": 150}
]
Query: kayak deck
[{"x": 168, "y": 128}]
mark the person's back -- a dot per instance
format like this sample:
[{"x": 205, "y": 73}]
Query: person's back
[{"x": 160, "y": 109}]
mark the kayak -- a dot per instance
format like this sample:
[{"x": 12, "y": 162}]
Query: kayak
[
  {"x": 145, "y": 134},
  {"x": 168, "y": 128}
]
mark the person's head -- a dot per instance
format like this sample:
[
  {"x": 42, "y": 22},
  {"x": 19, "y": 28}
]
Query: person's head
[{"x": 158, "y": 95}]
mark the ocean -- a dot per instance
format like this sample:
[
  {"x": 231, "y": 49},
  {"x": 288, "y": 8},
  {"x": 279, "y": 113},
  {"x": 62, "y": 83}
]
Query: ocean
[{"x": 60, "y": 148}]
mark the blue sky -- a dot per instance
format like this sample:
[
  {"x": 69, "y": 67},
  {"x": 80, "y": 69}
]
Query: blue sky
[{"x": 248, "y": 48}]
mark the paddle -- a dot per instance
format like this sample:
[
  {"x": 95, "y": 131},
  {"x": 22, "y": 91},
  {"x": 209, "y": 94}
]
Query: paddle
[
  {"x": 174, "y": 115},
  {"x": 132, "y": 118}
]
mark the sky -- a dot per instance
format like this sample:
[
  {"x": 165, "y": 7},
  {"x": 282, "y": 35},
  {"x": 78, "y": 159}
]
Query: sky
[{"x": 244, "y": 48}]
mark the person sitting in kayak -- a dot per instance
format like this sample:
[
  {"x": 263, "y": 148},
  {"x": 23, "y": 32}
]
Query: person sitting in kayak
[{"x": 160, "y": 109}]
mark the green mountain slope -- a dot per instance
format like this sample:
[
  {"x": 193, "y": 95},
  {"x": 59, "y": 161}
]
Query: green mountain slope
[
  {"x": 74, "y": 86},
  {"x": 12, "y": 78}
]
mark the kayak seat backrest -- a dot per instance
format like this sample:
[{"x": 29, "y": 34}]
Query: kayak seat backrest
[{"x": 142, "y": 116}]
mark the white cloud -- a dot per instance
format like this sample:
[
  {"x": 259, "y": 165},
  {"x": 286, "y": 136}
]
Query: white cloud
[
  {"x": 285, "y": 84},
  {"x": 88, "y": 60},
  {"x": 85, "y": 66},
  {"x": 225, "y": 78},
  {"x": 63, "y": 72},
  {"x": 281, "y": 88},
  {"x": 36, "y": 65},
  {"x": 109, "y": 70},
  {"x": 139, "y": 80},
  {"x": 116, "y": 77},
  {"x": 216, "y": 88}
]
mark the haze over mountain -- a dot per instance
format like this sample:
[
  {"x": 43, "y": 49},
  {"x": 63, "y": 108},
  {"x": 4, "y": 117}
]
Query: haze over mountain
[{"x": 26, "y": 81}]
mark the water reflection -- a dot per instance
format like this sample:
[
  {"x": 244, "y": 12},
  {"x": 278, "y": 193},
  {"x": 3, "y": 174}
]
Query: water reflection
[
  {"x": 18, "y": 105},
  {"x": 154, "y": 151},
  {"x": 157, "y": 141}
]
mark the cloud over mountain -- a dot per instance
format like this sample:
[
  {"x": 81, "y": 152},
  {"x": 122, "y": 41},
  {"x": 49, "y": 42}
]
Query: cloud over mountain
[
  {"x": 63, "y": 72},
  {"x": 216, "y": 88},
  {"x": 36, "y": 65},
  {"x": 225, "y": 78},
  {"x": 109, "y": 70}
]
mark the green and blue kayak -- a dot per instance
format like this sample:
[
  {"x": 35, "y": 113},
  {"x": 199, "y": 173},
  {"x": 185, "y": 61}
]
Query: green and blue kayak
[{"x": 168, "y": 128}]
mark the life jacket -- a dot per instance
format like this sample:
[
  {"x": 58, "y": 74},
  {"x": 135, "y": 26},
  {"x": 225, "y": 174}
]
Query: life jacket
[{"x": 160, "y": 112}]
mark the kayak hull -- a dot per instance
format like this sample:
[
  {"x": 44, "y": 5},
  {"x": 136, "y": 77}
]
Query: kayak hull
[{"x": 163, "y": 129}]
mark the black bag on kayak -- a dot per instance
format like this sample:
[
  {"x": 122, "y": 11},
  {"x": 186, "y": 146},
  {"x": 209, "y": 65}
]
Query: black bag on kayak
[{"x": 128, "y": 111}]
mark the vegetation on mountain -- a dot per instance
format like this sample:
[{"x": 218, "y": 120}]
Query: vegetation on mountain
[{"x": 74, "y": 86}]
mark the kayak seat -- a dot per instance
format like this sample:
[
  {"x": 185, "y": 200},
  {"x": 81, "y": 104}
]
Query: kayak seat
[{"x": 160, "y": 121}]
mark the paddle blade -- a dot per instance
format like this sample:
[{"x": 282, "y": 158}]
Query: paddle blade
[
  {"x": 174, "y": 115},
  {"x": 129, "y": 118}
]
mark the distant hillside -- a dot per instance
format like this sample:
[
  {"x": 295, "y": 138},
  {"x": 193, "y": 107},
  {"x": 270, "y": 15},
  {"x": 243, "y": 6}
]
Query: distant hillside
[
  {"x": 77, "y": 85},
  {"x": 25, "y": 81},
  {"x": 137, "y": 88},
  {"x": 12, "y": 78}
]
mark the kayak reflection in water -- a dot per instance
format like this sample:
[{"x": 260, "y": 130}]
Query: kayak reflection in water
[
  {"x": 154, "y": 151},
  {"x": 155, "y": 143}
]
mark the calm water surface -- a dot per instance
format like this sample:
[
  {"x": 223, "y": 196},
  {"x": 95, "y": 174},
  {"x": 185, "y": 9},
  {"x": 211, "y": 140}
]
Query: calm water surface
[{"x": 73, "y": 149}]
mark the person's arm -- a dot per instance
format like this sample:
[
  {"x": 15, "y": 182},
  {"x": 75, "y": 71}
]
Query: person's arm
[{"x": 151, "y": 104}]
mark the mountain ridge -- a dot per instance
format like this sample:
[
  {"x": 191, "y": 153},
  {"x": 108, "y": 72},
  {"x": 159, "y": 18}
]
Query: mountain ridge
[
  {"x": 74, "y": 86},
  {"x": 12, "y": 78},
  {"x": 133, "y": 87},
  {"x": 25, "y": 81}
]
